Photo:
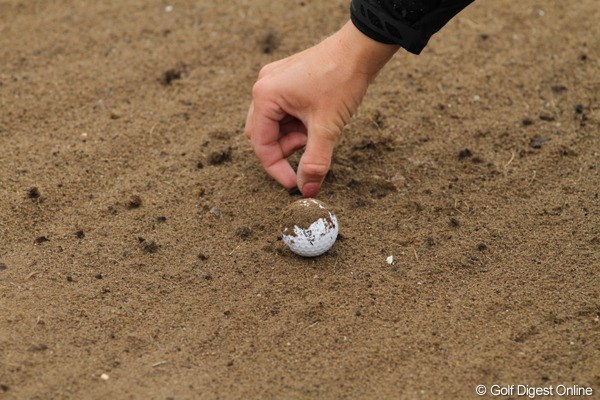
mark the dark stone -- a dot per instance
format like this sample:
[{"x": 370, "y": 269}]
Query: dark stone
[
  {"x": 270, "y": 43},
  {"x": 465, "y": 153},
  {"x": 171, "y": 75},
  {"x": 218, "y": 157},
  {"x": 527, "y": 122},
  {"x": 134, "y": 202},
  {"x": 538, "y": 141},
  {"x": 243, "y": 232},
  {"x": 38, "y": 347},
  {"x": 33, "y": 193},
  {"x": 150, "y": 247},
  {"x": 41, "y": 239}
]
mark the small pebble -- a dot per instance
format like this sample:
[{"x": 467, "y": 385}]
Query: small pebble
[
  {"x": 218, "y": 157},
  {"x": 243, "y": 232},
  {"x": 33, "y": 193},
  {"x": 465, "y": 153},
  {"x": 150, "y": 247},
  {"x": 399, "y": 181},
  {"x": 41, "y": 239},
  {"x": 538, "y": 141},
  {"x": 134, "y": 202},
  {"x": 527, "y": 122}
]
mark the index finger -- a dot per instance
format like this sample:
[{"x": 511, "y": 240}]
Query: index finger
[{"x": 264, "y": 131}]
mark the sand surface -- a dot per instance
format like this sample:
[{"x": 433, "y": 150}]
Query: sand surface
[{"x": 139, "y": 237}]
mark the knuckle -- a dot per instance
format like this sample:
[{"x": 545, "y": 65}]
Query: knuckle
[
  {"x": 263, "y": 71},
  {"x": 329, "y": 133},
  {"x": 332, "y": 135},
  {"x": 315, "y": 168},
  {"x": 266, "y": 69},
  {"x": 260, "y": 89}
]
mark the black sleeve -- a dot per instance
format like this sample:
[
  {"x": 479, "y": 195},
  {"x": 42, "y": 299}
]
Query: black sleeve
[{"x": 408, "y": 23}]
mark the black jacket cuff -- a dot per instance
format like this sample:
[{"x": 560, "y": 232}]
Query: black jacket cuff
[{"x": 372, "y": 20}]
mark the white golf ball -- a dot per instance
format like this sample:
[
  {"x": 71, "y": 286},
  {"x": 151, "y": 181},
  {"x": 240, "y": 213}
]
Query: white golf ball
[{"x": 310, "y": 227}]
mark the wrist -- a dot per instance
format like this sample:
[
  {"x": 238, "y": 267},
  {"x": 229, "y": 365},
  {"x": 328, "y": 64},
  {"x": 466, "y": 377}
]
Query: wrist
[{"x": 361, "y": 53}]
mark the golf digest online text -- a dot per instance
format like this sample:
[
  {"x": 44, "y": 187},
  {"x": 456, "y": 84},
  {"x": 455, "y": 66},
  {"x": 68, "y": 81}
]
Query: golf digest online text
[{"x": 534, "y": 391}]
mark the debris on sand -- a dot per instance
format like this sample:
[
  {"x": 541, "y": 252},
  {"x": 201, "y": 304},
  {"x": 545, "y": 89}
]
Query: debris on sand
[
  {"x": 538, "y": 141},
  {"x": 219, "y": 157},
  {"x": 33, "y": 193}
]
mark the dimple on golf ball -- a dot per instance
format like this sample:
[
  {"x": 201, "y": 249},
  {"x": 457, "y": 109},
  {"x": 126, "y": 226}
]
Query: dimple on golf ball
[{"x": 310, "y": 227}]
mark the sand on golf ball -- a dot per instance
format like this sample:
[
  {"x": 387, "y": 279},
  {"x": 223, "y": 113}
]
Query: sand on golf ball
[{"x": 310, "y": 227}]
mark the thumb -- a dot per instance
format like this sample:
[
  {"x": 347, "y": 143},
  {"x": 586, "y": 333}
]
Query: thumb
[{"x": 316, "y": 160}]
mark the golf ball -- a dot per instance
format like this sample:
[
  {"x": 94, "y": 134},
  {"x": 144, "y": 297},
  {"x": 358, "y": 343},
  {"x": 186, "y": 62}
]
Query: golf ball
[{"x": 310, "y": 227}]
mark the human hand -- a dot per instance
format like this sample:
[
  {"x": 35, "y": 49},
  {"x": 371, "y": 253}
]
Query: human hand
[{"x": 305, "y": 101}]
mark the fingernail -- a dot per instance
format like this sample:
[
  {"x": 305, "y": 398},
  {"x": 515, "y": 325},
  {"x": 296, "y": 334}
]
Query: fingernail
[{"x": 310, "y": 189}]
